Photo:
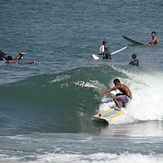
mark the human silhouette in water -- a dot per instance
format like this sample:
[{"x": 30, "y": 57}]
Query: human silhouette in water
[{"x": 134, "y": 61}]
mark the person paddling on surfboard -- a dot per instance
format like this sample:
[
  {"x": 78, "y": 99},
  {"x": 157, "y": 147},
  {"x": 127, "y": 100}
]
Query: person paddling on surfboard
[
  {"x": 4, "y": 56},
  {"x": 154, "y": 41},
  {"x": 123, "y": 97},
  {"x": 13, "y": 61},
  {"x": 19, "y": 56}
]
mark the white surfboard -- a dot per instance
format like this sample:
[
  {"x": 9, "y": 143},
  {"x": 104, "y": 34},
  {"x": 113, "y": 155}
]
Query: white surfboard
[
  {"x": 118, "y": 51},
  {"x": 95, "y": 57}
]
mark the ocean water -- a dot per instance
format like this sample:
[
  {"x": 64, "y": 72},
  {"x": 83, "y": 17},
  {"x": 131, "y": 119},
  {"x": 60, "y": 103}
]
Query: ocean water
[{"x": 46, "y": 110}]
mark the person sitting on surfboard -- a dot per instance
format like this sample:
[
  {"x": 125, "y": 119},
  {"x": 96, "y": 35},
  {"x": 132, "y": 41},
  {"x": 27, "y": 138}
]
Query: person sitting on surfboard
[
  {"x": 107, "y": 54},
  {"x": 123, "y": 97},
  {"x": 102, "y": 48},
  {"x": 154, "y": 41},
  {"x": 134, "y": 61}
]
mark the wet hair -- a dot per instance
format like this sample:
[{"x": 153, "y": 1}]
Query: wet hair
[
  {"x": 134, "y": 56},
  {"x": 104, "y": 42},
  {"x": 154, "y": 32},
  {"x": 116, "y": 81}
]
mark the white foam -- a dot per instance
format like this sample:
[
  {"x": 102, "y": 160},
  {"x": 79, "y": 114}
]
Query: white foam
[
  {"x": 100, "y": 158},
  {"x": 93, "y": 158},
  {"x": 90, "y": 84},
  {"x": 60, "y": 78},
  {"x": 147, "y": 100}
]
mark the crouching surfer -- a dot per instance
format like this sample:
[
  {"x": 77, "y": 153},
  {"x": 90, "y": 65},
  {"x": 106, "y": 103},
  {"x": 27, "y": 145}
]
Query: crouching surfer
[{"x": 123, "y": 97}]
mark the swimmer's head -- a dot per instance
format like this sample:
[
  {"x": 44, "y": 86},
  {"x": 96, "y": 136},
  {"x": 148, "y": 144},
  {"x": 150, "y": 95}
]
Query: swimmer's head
[{"x": 134, "y": 56}]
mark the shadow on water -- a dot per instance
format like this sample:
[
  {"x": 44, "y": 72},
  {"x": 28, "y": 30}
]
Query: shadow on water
[{"x": 97, "y": 122}]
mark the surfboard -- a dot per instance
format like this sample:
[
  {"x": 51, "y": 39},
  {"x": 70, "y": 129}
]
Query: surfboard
[
  {"x": 95, "y": 57},
  {"x": 132, "y": 41},
  {"x": 118, "y": 51},
  {"x": 109, "y": 114}
]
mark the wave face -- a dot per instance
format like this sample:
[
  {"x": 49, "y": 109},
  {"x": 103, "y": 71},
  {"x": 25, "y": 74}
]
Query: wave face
[{"x": 66, "y": 102}]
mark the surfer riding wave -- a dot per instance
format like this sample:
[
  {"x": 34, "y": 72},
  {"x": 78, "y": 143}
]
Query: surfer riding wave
[{"x": 123, "y": 97}]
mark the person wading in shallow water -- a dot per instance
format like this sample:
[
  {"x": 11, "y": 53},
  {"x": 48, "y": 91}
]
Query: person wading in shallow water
[{"x": 123, "y": 97}]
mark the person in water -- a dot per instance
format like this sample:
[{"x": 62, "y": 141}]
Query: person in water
[
  {"x": 3, "y": 55},
  {"x": 7, "y": 57},
  {"x": 155, "y": 40},
  {"x": 107, "y": 54},
  {"x": 19, "y": 56},
  {"x": 104, "y": 50},
  {"x": 134, "y": 61},
  {"x": 13, "y": 61},
  {"x": 123, "y": 97}
]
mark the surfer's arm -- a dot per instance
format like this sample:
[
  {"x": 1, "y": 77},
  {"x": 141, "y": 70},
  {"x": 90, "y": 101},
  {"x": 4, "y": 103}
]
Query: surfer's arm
[
  {"x": 19, "y": 56},
  {"x": 109, "y": 90},
  {"x": 154, "y": 41},
  {"x": 146, "y": 43}
]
